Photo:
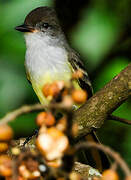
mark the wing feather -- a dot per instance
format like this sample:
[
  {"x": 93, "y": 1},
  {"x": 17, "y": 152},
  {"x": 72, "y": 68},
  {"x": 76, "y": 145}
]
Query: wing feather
[{"x": 77, "y": 64}]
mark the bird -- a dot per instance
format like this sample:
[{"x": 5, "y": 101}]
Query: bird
[{"x": 49, "y": 57}]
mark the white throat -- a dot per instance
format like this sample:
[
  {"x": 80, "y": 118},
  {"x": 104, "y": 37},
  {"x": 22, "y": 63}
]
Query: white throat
[{"x": 44, "y": 55}]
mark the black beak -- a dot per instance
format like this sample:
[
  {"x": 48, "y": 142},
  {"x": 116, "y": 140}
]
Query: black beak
[{"x": 24, "y": 28}]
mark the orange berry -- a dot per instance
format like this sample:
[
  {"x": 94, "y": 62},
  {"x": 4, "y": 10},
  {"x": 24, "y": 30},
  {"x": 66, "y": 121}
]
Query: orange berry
[
  {"x": 75, "y": 176},
  {"x": 110, "y": 174},
  {"x": 55, "y": 164},
  {"x": 45, "y": 89},
  {"x": 55, "y": 133},
  {"x": 20, "y": 178},
  {"x": 62, "y": 124},
  {"x": 128, "y": 178},
  {"x": 52, "y": 143},
  {"x": 45, "y": 118},
  {"x": 77, "y": 74},
  {"x": 9, "y": 178},
  {"x": 3, "y": 147},
  {"x": 52, "y": 89},
  {"x": 75, "y": 129},
  {"x": 6, "y": 133},
  {"x": 65, "y": 92},
  {"x": 24, "y": 172},
  {"x": 40, "y": 118},
  {"x": 79, "y": 96},
  {"x": 5, "y": 165}
]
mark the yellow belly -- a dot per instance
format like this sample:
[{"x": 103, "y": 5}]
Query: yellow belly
[{"x": 49, "y": 78}]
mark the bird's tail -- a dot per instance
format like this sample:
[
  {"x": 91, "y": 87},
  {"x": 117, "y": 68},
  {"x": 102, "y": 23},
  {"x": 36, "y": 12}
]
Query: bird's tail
[{"x": 92, "y": 156}]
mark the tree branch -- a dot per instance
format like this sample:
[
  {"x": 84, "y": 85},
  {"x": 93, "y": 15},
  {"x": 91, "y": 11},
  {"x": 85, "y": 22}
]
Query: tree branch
[
  {"x": 97, "y": 109},
  {"x": 27, "y": 109},
  {"x": 22, "y": 110},
  {"x": 122, "y": 120}
]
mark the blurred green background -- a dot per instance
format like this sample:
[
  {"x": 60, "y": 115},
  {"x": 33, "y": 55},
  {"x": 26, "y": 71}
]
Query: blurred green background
[{"x": 98, "y": 29}]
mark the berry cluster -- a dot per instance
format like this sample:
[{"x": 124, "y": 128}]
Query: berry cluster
[{"x": 52, "y": 154}]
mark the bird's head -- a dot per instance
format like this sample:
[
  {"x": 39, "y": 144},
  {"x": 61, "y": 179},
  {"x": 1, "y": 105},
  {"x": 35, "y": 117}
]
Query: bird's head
[{"x": 43, "y": 20}]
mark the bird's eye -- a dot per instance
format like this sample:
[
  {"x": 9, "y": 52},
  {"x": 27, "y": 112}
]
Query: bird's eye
[{"x": 45, "y": 25}]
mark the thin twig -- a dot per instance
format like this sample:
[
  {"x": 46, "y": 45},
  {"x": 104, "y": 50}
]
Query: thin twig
[
  {"x": 114, "y": 166},
  {"x": 30, "y": 108},
  {"x": 109, "y": 151},
  {"x": 22, "y": 110},
  {"x": 122, "y": 120}
]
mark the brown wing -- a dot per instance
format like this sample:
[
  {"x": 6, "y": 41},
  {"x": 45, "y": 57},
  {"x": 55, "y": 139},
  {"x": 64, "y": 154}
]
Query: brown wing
[
  {"x": 95, "y": 158},
  {"x": 77, "y": 64}
]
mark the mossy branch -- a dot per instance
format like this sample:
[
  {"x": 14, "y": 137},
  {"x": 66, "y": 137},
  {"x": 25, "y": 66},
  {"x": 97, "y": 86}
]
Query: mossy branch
[{"x": 97, "y": 109}]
